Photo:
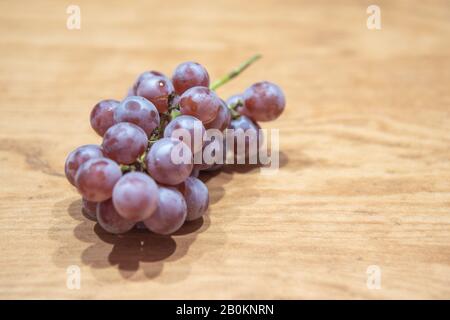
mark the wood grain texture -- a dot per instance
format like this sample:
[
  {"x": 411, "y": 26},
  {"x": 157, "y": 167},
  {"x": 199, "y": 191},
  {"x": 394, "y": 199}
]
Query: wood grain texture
[{"x": 365, "y": 170}]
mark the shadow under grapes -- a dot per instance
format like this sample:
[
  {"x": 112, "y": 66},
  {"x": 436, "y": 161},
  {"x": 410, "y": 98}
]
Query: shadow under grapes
[
  {"x": 137, "y": 255},
  {"x": 140, "y": 255}
]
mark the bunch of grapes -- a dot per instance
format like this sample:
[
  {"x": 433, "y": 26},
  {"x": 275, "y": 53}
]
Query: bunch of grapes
[{"x": 132, "y": 179}]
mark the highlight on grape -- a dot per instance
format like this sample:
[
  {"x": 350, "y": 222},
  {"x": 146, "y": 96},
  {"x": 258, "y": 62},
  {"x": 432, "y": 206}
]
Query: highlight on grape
[{"x": 160, "y": 137}]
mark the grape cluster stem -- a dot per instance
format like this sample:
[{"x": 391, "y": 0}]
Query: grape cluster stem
[{"x": 220, "y": 82}]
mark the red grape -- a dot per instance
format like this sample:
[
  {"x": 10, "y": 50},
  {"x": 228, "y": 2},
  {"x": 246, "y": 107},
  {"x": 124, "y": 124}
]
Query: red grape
[
  {"x": 222, "y": 120},
  {"x": 189, "y": 74},
  {"x": 169, "y": 161},
  {"x": 102, "y": 116},
  {"x": 211, "y": 153},
  {"x": 96, "y": 178},
  {"x": 170, "y": 214},
  {"x": 89, "y": 209},
  {"x": 156, "y": 89},
  {"x": 144, "y": 75},
  {"x": 110, "y": 220},
  {"x": 246, "y": 134},
  {"x": 188, "y": 129},
  {"x": 135, "y": 196},
  {"x": 201, "y": 103},
  {"x": 263, "y": 101},
  {"x": 77, "y": 157},
  {"x": 139, "y": 111},
  {"x": 124, "y": 142},
  {"x": 196, "y": 196}
]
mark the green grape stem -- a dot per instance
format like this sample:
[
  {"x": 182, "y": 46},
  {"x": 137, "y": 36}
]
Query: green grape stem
[
  {"x": 175, "y": 113},
  {"x": 127, "y": 168},
  {"x": 220, "y": 82}
]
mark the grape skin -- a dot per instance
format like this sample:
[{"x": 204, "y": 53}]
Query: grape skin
[
  {"x": 263, "y": 101},
  {"x": 96, "y": 178},
  {"x": 156, "y": 89},
  {"x": 170, "y": 214},
  {"x": 139, "y": 111},
  {"x": 201, "y": 103},
  {"x": 240, "y": 126},
  {"x": 222, "y": 120},
  {"x": 124, "y": 142},
  {"x": 77, "y": 157},
  {"x": 144, "y": 75},
  {"x": 110, "y": 220},
  {"x": 193, "y": 127},
  {"x": 211, "y": 150},
  {"x": 89, "y": 209},
  {"x": 196, "y": 196},
  {"x": 188, "y": 75},
  {"x": 102, "y": 116},
  {"x": 135, "y": 196},
  {"x": 160, "y": 165}
]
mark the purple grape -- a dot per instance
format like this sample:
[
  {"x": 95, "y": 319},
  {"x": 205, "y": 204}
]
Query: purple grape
[
  {"x": 89, "y": 209},
  {"x": 169, "y": 161},
  {"x": 247, "y": 131},
  {"x": 145, "y": 75},
  {"x": 156, "y": 89},
  {"x": 210, "y": 154},
  {"x": 135, "y": 196},
  {"x": 183, "y": 127},
  {"x": 96, "y": 178},
  {"x": 201, "y": 103},
  {"x": 188, "y": 75},
  {"x": 170, "y": 214},
  {"x": 263, "y": 101},
  {"x": 110, "y": 220},
  {"x": 139, "y": 111},
  {"x": 102, "y": 116},
  {"x": 124, "y": 142},
  {"x": 77, "y": 157},
  {"x": 222, "y": 120},
  {"x": 196, "y": 196}
]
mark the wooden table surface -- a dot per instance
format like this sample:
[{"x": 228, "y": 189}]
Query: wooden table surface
[{"x": 365, "y": 158}]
